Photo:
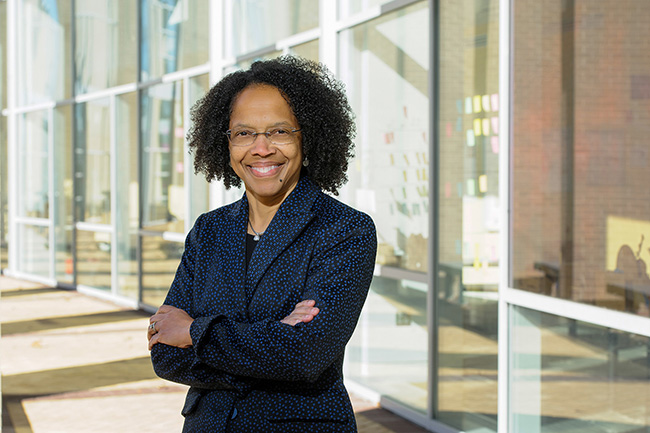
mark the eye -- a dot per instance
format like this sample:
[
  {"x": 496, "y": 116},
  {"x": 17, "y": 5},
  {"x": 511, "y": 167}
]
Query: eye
[
  {"x": 241, "y": 133},
  {"x": 280, "y": 131}
]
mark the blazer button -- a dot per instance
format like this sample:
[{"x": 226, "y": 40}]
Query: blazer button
[{"x": 234, "y": 413}]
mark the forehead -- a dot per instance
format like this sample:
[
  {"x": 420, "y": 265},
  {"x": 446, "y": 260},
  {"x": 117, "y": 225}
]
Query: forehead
[{"x": 261, "y": 103}]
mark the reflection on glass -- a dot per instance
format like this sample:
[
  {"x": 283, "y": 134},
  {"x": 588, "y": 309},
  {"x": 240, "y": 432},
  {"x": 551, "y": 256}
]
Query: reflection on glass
[
  {"x": 388, "y": 351},
  {"x": 570, "y": 376},
  {"x": 389, "y": 180},
  {"x": 34, "y": 251},
  {"x": 3, "y": 57},
  {"x": 468, "y": 214},
  {"x": 4, "y": 197},
  {"x": 93, "y": 259},
  {"x": 126, "y": 214},
  {"x": 198, "y": 187},
  {"x": 175, "y": 36},
  {"x": 308, "y": 50},
  {"x": 44, "y": 44},
  {"x": 93, "y": 162},
  {"x": 160, "y": 258},
  {"x": 351, "y": 7},
  {"x": 581, "y": 214},
  {"x": 63, "y": 204},
  {"x": 256, "y": 24},
  {"x": 105, "y": 44},
  {"x": 33, "y": 172},
  {"x": 163, "y": 194}
]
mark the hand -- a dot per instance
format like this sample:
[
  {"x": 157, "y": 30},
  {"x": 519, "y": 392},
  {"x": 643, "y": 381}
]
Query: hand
[
  {"x": 172, "y": 327},
  {"x": 303, "y": 312}
]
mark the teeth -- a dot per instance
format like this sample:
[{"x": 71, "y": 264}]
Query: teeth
[{"x": 264, "y": 169}]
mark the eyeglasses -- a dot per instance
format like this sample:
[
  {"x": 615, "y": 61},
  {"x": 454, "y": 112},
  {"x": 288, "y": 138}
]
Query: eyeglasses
[{"x": 246, "y": 137}]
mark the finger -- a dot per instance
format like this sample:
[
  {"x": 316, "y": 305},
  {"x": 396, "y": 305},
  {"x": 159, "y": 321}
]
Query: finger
[
  {"x": 164, "y": 309},
  {"x": 153, "y": 340},
  {"x": 306, "y": 303}
]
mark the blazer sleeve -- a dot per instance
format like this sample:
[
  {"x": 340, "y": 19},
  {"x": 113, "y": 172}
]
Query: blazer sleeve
[
  {"x": 338, "y": 280},
  {"x": 182, "y": 365}
]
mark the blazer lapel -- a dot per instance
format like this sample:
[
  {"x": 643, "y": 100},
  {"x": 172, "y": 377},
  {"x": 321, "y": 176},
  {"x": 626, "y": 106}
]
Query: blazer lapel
[
  {"x": 234, "y": 253},
  {"x": 290, "y": 220}
]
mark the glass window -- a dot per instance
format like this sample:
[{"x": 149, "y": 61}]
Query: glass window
[
  {"x": 63, "y": 203},
  {"x": 308, "y": 50},
  {"x": 160, "y": 258},
  {"x": 198, "y": 188},
  {"x": 3, "y": 55},
  {"x": 580, "y": 200},
  {"x": 570, "y": 376},
  {"x": 106, "y": 50},
  {"x": 34, "y": 251},
  {"x": 254, "y": 23},
  {"x": 163, "y": 166},
  {"x": 175, "y": 36},
  {"x": 4, "y": 195},
  {"x": 44, "y": 47},
  {"x": 389, "y": 180},
  {"x": 468, "y": 213},
  {"x": 126, "y": 213},
  {"x": 93, "y": 265},
  {"x": 93, "y": 162},
  {"x": 351, "y": 7},
  {"x": 33, "y": 165}
]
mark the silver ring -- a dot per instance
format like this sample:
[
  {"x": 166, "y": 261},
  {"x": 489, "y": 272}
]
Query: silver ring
[{"x": 153, "y": 327}]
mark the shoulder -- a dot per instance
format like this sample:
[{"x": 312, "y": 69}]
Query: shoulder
[
  {"x": 216, "y": 218},
  {"x": 335, "y": 216}
]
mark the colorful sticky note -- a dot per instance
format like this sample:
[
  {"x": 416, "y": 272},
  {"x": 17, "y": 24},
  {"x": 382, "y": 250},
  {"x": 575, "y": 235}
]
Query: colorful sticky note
[
  {"x": 468, "y": 105},
  {"x": 485, "y": 100},
  {"x": 477, "y": 104},
  {"x": 470, "y": 138},
  {"x": 494, "y": 143},
  {"x": 486, "y": 126},
  {"x": 406, "y": 158},
  {"x": 482, "y": 183},
  {"x": 495, "y": 124},
  {"x": 477, "y": 127},
  {"x": 494, "y": 99},
  {"x": 449, "y": 129},
  {"x": 459, "y": 124},
  {"x": 392, "y": 159},
  {"x": 459, "y": 188},
  {"x": 447, "y": 189},
  {"x": 471, "y": 187},
  {"x": 405, "y": 178},
  {"x": 459, "y": 106},
  {"x": 459, "y": 247}
]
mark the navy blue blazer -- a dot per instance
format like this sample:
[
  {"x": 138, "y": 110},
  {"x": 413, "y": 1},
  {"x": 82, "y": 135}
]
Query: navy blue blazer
[{"x": 248, "y": 371}]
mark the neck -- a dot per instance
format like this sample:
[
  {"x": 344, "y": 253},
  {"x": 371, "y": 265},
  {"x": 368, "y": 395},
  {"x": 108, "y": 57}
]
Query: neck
[{"x": 260, "y": 215}]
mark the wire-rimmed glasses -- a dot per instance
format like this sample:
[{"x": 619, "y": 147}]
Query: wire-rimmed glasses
[{"x": 245, "y": 137}]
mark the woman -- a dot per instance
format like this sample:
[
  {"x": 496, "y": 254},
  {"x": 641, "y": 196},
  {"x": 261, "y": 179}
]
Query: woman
[{"x": 269, "y": 288}]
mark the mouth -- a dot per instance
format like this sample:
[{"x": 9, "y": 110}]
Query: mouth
[{"x": 265, "y": 170}]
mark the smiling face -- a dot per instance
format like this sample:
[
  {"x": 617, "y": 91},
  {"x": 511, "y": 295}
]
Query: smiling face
[{"x": 269, "y": 172}]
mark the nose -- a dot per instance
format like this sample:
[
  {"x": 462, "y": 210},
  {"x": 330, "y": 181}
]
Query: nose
[{"x": 262, "y": 146}]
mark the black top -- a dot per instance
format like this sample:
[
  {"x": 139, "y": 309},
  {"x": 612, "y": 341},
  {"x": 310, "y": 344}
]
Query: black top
[{"x": 250, "y": 246}]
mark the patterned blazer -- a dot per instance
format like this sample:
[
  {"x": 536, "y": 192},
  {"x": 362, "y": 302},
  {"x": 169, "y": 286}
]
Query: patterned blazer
[{"x": 248, "y": 371}]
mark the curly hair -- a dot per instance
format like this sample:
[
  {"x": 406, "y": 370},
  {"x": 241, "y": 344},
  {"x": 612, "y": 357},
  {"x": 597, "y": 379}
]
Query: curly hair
[{"x": 318, "y": 101}]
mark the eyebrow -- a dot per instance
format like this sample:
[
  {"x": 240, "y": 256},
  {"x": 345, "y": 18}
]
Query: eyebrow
[{"x": 246, "y": 125}]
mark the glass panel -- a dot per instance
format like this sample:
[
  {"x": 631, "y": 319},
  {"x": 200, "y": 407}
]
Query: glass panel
[
  {"x": 4, "y": 196},
  {"x": 93, "y": 162},
  {"x": 34, "y": 250},
  {"x": 570, "y": 376},
  {"x": 468, "y": 214},
  {"x": 3, "y": 56},
  {"x": 198, "y": 188},
  {"x": 388, "y": 351},
  {"x": 126, "y": 218},
  {"x": 106, "y": 50},
  {"x": 175, "y": 36},
  {"x": 160, "y": 258},
  {"x": 94, "y": 259},
  {"x": 163, "y": 194},
  {"x": 33, "y": 165},
  {"x": 388, "y": 179},
  {"x": 581, "y": 229},
  {"x": 255, "y": 23},
  {"x": 63, "y": 204},
  {"x": 351, "y": 7},
  {"x": 308, "y": 50},
  {"x": 44, "y": 43}
]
